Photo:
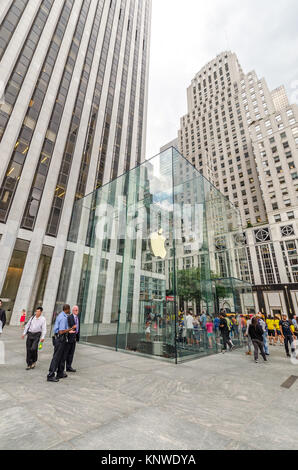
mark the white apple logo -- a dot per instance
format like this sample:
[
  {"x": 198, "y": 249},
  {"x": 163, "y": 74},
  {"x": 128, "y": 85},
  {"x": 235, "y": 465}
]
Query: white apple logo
[{"x": 157, "y": 244}]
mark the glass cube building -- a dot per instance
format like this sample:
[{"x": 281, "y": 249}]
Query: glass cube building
[{"x": 156, "y": 243}]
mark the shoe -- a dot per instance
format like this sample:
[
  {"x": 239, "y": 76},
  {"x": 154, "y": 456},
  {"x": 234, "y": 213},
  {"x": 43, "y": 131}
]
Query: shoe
[
  {"x": 62, "y": 376},
  {"x": 288, "y": 355},
  {"x": 33, "y": 365},
  {"x": 52, "y": 379},
  {"x": 71, "y": 370},
  {"x": 267, "y": 354},
  {"x": 256, "y": 361},
  {"x": 28, "y": 368}
]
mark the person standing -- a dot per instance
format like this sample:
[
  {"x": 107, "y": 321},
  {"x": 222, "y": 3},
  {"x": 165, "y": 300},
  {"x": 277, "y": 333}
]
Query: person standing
[
  {"x": 277, "y": 329},
  {"x": 189, "y": 328},
  {"x": 209, "y": 329},
  {"x": 271, "y": 330},
  {"x": 196, "y": 329},
  {"x": 287, "y": 335},
  {"x": 60, "y": 338},
  {"x": 23, "y": 318},
  {"x": 35, "y": 330},
  {"x": 256, "y": 332},
  {"x": 2, "y": 318},
  {"x": 265, "y": 333},
  {"x": 73, "y": 338}
]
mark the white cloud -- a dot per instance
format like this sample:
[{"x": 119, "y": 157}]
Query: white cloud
[{"x": 187, "y": 34}]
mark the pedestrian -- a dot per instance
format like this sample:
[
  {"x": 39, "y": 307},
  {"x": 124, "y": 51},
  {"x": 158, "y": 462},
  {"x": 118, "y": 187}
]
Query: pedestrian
[
  {"x": 278, "y": 332},
  {"x": 271, "y": 330},
  {"x": 256, "y": 332},
  {"x": 23, "y": 318},
  {"x": 60, "y": 339},
  {"x": 35, "y": 330},
  {"x": 294, "y": 322},
  {"x": 2, "y": 318},
  {"x": 243, "y": 325},
  {"x": 189, "y": 328},
  {"x": 287, "y": 334},
  {"x": 73, "y": 338},
  {"x": 209, "y": 329},
  {"x": 265, "y": 333},
  {"x": 249, "y": 341},
  {"x": 216, "y": 323},
  {"x": 225, "y": 332},
  {"x": 196, "y": 329}
]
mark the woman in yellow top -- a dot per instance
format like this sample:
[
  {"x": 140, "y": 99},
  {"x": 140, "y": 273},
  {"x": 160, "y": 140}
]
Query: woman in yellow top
[
  {"x": 278, "y": 332},
  {"x": 271, "y": 330}
]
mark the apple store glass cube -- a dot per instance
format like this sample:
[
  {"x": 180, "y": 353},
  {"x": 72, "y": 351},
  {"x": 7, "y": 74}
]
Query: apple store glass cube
[{"x": 147, "y": 249}]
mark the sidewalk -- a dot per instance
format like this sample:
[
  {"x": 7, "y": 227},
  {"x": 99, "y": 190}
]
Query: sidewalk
[{"x": 120, "y": 401}]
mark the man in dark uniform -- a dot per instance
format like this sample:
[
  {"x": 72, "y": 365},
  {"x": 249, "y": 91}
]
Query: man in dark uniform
[
  {"x": 2, "y": 317},
  {"x": 61, "y": 331},
  {"x": 73, "y": 338}
]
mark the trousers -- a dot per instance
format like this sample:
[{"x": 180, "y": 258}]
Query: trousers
[
  {"x": 289, "y": 341},
  {"x": 58, "y": 357},
  {"x": 258, "y": 345},
  {"x": 32, "y": 347},
  {"x": 70, "y": 350},
  {"x": 226, "y": 340}
]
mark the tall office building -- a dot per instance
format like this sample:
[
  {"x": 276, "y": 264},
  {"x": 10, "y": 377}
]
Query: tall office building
[
  {"x": 74, "y": 76},
  {"x": 244, "y": 139}
]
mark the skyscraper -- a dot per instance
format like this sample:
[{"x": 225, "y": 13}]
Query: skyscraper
[
  {"x": 244, "y": 139},
  {"x": 72, "y": 117}
]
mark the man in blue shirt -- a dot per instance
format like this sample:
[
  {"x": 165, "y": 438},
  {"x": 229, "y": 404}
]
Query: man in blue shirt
[{"x": 61, "y": 331}]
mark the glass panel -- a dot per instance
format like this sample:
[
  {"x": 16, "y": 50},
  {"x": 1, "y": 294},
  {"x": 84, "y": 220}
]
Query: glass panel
[{"x": 162, "y": 255}]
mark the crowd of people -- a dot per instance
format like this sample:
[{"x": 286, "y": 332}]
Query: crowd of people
[{"x": 258, "y": 332}]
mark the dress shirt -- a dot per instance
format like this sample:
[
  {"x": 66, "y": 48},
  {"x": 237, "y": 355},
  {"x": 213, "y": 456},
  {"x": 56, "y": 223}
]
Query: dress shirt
[
  {"x": 77, "y": 323},
  {"x": 61, "y": 323},
  {"x": 36, "y": 325}
]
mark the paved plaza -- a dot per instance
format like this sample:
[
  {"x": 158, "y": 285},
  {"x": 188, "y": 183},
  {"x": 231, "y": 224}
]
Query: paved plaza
[{"x": 120, "y": 401}]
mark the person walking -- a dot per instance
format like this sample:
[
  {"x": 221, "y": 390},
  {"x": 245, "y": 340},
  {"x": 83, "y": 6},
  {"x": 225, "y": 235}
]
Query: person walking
[
  {"x": 287, "y": 334},
  {"x": 256, "y": 332},
  {"x": 225, "y": 332},
  {"x": 60, "y": 338},
  {"x": 35, "y": 330},
  {"x": 2, "y": 318},
  {"x": 23, "y": 318},
  {"x": 73, "y": 338},
  {"x": 249, "y": 341}
]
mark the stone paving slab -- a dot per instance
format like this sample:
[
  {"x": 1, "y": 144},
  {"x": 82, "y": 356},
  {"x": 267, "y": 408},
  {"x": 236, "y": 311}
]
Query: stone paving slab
[{"x": 121, "y": 401}]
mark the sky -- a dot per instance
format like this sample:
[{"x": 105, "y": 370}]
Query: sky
[{"x": 186, "y": 34}]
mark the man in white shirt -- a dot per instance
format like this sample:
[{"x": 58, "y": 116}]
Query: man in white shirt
[
  {"x": 189, "y": 328},
  {"x": 35, "y": 330}
]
